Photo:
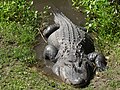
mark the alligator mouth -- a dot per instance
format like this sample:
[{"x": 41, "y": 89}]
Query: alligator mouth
[
  {"x": 70, "y": 76},
  {"x": 78, "y": 82}
]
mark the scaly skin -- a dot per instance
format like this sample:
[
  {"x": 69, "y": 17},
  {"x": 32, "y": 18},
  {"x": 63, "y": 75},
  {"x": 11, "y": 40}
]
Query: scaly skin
[{"x": 72, "y": 51}]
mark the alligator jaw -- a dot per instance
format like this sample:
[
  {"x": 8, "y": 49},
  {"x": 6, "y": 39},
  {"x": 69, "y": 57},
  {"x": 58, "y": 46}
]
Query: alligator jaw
[{"x": 70, "y": 76}]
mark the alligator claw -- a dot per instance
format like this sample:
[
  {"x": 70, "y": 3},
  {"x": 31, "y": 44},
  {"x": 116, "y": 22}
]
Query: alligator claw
[{"x": 100, "y": 69}]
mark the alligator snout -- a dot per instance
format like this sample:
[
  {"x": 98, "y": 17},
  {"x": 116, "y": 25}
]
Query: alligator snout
[{"x": 70, "y": 75}]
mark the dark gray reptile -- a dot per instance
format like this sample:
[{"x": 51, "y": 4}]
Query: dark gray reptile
[{"x": 72, "y": 51}]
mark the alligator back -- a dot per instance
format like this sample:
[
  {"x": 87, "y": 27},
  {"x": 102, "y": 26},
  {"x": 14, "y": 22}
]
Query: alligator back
[{"x": 70, "y": 35}]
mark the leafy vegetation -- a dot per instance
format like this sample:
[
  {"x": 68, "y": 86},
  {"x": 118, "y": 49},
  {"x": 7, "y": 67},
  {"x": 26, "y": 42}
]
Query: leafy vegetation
[
  {"x": 17, "y": 30},
  {"x": 103, "y": 19},
  {"x": 18, "y": 11}
]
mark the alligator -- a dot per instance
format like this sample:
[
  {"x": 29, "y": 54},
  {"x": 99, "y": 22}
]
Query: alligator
[{"x": 72, "y": 51}]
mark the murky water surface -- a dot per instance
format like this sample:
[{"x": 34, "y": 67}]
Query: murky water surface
[{"x": 66, "y": 7}]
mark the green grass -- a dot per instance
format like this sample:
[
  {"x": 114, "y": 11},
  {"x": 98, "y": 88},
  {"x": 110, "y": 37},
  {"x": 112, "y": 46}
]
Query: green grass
[
  {"x": 102, "y": 19},
  {"x": 16, "y": 42},
  {"x": 17, "y": 76},
  {"x": 17, "y": 38}
]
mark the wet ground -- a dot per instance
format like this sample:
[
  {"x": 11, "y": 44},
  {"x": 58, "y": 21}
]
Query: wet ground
[{"x": 64, "y": 6}]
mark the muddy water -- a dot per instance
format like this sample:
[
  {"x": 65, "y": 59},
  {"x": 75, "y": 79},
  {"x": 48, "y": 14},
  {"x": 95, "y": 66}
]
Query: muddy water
[{"x": 66, "y": 7}]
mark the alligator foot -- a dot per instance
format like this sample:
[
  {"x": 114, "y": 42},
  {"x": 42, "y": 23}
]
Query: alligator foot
[
  {"x": 99, "y": 60},
  {"x": 50, "y": 52},
  {"x": 50, "y": 29}
]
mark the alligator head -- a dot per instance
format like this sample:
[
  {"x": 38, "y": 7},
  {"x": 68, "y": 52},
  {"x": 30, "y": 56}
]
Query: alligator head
[{"x": 74, "y": 70}]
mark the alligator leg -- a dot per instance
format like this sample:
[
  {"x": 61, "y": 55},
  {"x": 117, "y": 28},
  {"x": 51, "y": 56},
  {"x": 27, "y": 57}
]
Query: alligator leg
[
  {"x": 99, "y": 60},
  {"x": 50, "y": 29},
  {"x": 50, "y": 52}
]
